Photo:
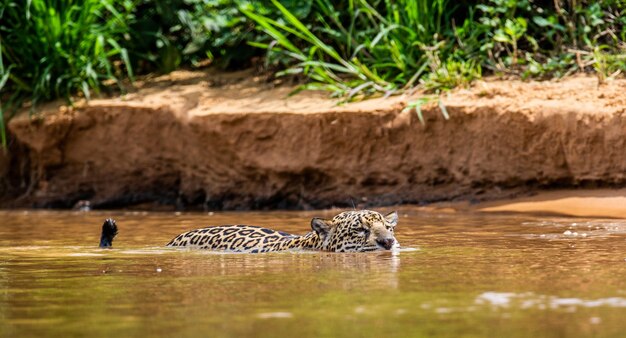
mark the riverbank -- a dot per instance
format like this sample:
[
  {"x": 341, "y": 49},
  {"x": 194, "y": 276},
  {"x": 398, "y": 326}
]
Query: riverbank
[
  {"x": 596, "y": 203},
  {"x": 206, "y": 140}
]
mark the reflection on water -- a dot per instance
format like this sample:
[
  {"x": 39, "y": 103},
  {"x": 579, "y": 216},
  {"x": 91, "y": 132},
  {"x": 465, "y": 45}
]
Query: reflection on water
[
  {"x": 529, "y": 300},
  {"x": 471, "y": 275}
]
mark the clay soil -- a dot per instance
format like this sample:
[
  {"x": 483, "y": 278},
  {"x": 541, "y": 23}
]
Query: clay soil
[{"x": 207, "y": 140}]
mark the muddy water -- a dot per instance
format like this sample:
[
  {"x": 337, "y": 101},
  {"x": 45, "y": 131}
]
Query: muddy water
[{"x": 458, "y": 275}]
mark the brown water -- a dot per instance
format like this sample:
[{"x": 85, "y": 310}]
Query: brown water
[{"x": 457, "y": 275}]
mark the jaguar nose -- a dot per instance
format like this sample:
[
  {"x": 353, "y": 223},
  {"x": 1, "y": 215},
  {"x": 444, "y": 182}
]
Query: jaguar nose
[{"x": 386, "y": 243}]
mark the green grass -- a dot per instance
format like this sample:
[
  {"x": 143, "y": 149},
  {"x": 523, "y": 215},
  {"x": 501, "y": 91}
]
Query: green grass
[
  {"x": 368, "y": 47},
  {"x": 380, "y": 47},
  {"x": 59, "y": 48}
]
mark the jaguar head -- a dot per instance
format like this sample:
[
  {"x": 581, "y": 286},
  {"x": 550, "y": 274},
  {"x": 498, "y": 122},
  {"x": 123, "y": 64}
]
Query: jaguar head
[{"x": 357, "y": 231}]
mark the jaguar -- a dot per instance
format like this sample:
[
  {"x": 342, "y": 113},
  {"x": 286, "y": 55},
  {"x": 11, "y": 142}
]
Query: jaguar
[{"x": 349, "y": 231}]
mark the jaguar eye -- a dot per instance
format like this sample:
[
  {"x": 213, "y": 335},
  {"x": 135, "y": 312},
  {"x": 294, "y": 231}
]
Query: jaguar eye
[{"x": 363, "y": 232}]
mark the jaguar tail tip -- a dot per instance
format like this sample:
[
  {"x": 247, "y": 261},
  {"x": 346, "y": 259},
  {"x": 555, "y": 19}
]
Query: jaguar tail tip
[{"x": 109, "y": 230}]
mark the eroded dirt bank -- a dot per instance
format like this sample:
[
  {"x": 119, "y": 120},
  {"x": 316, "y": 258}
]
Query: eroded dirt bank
[{"x": 205, "y": 140}]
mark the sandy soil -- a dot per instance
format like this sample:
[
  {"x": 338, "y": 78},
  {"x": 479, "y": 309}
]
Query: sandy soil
[
  {"x": 236, "y": 141},
  {"x": 606, "y": 203}
]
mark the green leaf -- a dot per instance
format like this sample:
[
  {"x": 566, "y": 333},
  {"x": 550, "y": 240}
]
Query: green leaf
[
  {"x": 444, "y": 111},
  {"x": 501, "y": 37},
  {"x": 541, "y": 21},
  {"x": 85, "y": 88}
]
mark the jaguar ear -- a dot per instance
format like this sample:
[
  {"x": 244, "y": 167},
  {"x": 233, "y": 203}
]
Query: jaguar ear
[
  {"x": 321, "y": 226},
  {"x": 392, "y": 218}
]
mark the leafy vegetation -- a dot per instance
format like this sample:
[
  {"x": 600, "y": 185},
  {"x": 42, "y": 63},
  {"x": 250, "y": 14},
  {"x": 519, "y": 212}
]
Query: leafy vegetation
[
  {"x": 369, "y": 47},
  {"x": 168, "y": 34},
  {"x": 354, "y": 48},
  {"x": 55, "y": 49}
]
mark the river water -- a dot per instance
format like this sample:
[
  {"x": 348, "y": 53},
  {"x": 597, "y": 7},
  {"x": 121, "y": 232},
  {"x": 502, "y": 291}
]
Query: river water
[{"x": 457, "y": 274}]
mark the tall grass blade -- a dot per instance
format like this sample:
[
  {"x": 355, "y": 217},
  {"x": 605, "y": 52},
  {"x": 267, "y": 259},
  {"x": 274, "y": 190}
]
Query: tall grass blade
[{"x": 444, "y": 111}]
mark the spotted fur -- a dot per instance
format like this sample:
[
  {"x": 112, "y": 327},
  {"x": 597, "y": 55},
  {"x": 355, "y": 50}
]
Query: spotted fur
[{"x": 350, "y": 231}]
